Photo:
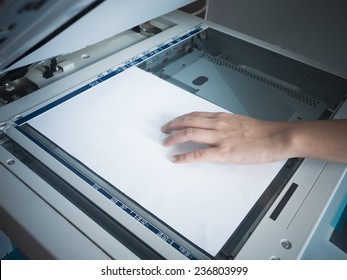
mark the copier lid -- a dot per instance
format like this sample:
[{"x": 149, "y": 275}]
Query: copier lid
[{"x": 35, "y": 30}]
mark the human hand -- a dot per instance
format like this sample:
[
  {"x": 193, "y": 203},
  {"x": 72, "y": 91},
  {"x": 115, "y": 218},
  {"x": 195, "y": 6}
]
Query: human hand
[{"x": 230, "y": 138}]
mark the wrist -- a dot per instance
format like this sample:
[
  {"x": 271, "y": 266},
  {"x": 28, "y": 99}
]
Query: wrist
[{"x": 286, "y": 140}]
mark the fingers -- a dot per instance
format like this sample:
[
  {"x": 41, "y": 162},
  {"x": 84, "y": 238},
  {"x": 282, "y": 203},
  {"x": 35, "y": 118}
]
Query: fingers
[
  {"x": 196, "y": 135},
  {"x": 204, "y": 120},
  {"x": 198, "y": 127},
  {"x": 198, "y": 156}
]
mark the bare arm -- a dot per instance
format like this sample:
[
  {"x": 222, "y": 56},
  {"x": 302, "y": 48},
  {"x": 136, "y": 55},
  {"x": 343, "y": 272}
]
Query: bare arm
[{"x": 245, "y": 140}]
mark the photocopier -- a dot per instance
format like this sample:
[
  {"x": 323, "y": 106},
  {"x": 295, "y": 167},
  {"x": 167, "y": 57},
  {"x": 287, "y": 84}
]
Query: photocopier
[{"x": 84, "y": 87}]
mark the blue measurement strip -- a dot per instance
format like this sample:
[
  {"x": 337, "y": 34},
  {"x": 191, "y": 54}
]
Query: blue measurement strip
[
  {"x": 111, "y": 197},
  {"x": 99, "y": 79},
  {"x": 145, "y": 223},
  {"x": 111, "y": 73}
]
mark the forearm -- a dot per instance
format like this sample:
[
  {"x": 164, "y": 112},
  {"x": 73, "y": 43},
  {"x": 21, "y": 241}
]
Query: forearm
[
  {"x": 245, "y": 140},
  {"x": 326, "y": 140}
]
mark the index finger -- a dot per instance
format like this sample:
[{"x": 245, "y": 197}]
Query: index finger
[
  {"x": 209, "y": 154},
  {"x": 202, "y": 120}
]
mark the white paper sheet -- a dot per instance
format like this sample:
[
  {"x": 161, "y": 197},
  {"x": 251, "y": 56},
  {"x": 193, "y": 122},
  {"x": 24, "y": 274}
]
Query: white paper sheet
[{"x": 114, "y": 129}]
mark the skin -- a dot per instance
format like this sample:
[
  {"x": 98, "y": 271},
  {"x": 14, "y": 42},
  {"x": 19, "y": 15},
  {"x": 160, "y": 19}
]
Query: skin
[{"x": 244, "y": 140}]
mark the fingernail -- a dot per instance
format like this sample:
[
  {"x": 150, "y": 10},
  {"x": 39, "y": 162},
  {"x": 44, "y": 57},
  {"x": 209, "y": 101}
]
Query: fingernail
[
  {"x": 164, "y": 141},
  {"x": 173, "y": 158}
]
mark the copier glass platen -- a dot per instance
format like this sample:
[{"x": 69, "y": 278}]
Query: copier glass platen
[{"x": 84, "y": 175}]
